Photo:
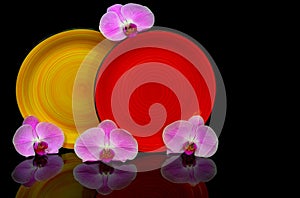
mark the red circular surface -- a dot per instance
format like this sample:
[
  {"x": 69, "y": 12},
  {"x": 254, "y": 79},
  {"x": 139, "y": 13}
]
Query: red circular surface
[{"x": 158, "y": 63}]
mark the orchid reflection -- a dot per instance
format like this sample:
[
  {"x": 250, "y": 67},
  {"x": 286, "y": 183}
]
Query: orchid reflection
[
  {"x": 36, "y": 169},
  {"x": 104, "y": 178},
  {"x": 188, "y": 169}
]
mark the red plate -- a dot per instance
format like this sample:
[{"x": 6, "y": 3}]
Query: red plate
[{"x": 152, "y": 80}]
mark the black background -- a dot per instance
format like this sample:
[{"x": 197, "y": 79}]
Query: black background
[{"x": 219, "y": 27}]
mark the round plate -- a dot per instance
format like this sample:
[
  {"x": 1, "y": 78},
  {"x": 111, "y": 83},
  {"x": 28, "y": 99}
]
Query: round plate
[
  {"x": 149, "y": 81},
  {"x": 46, "y": 77}
]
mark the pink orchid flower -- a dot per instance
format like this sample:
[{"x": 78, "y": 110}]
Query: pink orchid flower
[
  {"x": 190, "y": 137},
  {"x": 39, "y": 168},
  {"x": 37, "y": 138},
  {"x": 188, "y": 169},
  {"x": 104, "y": 178},
  {"x": 106, "y": 143},
  {"x": 127, "y": 20}
]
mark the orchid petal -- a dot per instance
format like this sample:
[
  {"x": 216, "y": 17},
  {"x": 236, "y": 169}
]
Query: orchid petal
[
  {"x": 116, "y": 9},
  {"x": 205, "y": 169},
  {"x": 52, "y": 135},
  {"x": 88, "y": 175},
  {"x": 196, "y": 121},
  {"x": 176, "y": 134},
  {"x": 107, "y": 126},
  {"x": 23, "y": 172},
  {"x": 89, "y": 144},
  {"x": 124, "y": 145},
  {"x": 53, "y": 167},
  {"x": 31, "y": 120},
  {"x": 23, "y": 140},
  {"x": 121, "y": 178},
  {"x": 140, "y": 15},
  {"x": 111, "y": 27},
  {"x": 206, "y": 141}
]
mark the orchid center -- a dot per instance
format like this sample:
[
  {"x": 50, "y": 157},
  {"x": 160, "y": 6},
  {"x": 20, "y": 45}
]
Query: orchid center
[
  {"x": 105, "y": 169},
  {"x": 40, "y": 161},
  {"x": 188, "y": 161},
  {"x": 106, "y": 155},
  {"x": 40, "y": 147},
  {"x": 190, "y": 148},
  {"x": 130, "y": 30}
]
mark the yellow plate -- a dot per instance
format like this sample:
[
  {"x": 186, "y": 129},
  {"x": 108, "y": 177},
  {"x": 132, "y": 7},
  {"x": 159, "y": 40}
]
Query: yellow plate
[{"x": 45, "y": 81}]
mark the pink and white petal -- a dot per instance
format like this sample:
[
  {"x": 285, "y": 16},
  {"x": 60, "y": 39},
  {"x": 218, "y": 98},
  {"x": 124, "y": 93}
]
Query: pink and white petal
[
  {"x": 52, "y": 135},
  {"x": 123, "y": 144},
  {"x": 88, "y": 175},
  {"x": 176, "y": 134},
  {"x": 206, "y": 141},
  {"x": 139, "y": 15},
  {"x": 111, "y": 27},
  {"x": 179, "y": 128},
  {"x": 52, "y": 168},
  {"x": 120, "y": 178},
  {"x": 205, "y": 169},
  {"x": 31, "y": 120},
  {"x": 89, "y": 144},
  {"x": 23, "y": 140},
  {"x": 107, "y": 126},
  {"x": 23, "y": 172},
  {"x": 196, "y": 121},
  {"x": 117, "y": 9}
]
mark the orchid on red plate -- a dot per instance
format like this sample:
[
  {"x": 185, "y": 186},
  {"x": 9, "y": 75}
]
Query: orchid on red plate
[
  {"x": 190, "y": 137},
  {"x": 106, "y": 143},
  {"x": 121, "y": 21},
  {"x": 37, "y": 138}
]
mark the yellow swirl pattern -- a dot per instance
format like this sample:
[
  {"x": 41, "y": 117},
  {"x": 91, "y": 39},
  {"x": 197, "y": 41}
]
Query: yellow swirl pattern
[{"x": 46, "y": 77}]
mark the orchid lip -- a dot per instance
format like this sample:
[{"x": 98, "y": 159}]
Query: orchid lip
[
  {"x": 130, "y": 30},
  {"x": 40, "y": 148},
  {"x": 106, "y": 155},
  {"x": 190, "y": 148}
]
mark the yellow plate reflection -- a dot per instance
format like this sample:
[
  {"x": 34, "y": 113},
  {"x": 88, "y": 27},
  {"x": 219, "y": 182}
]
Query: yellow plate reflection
[{"x": 62, "y": 185}]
